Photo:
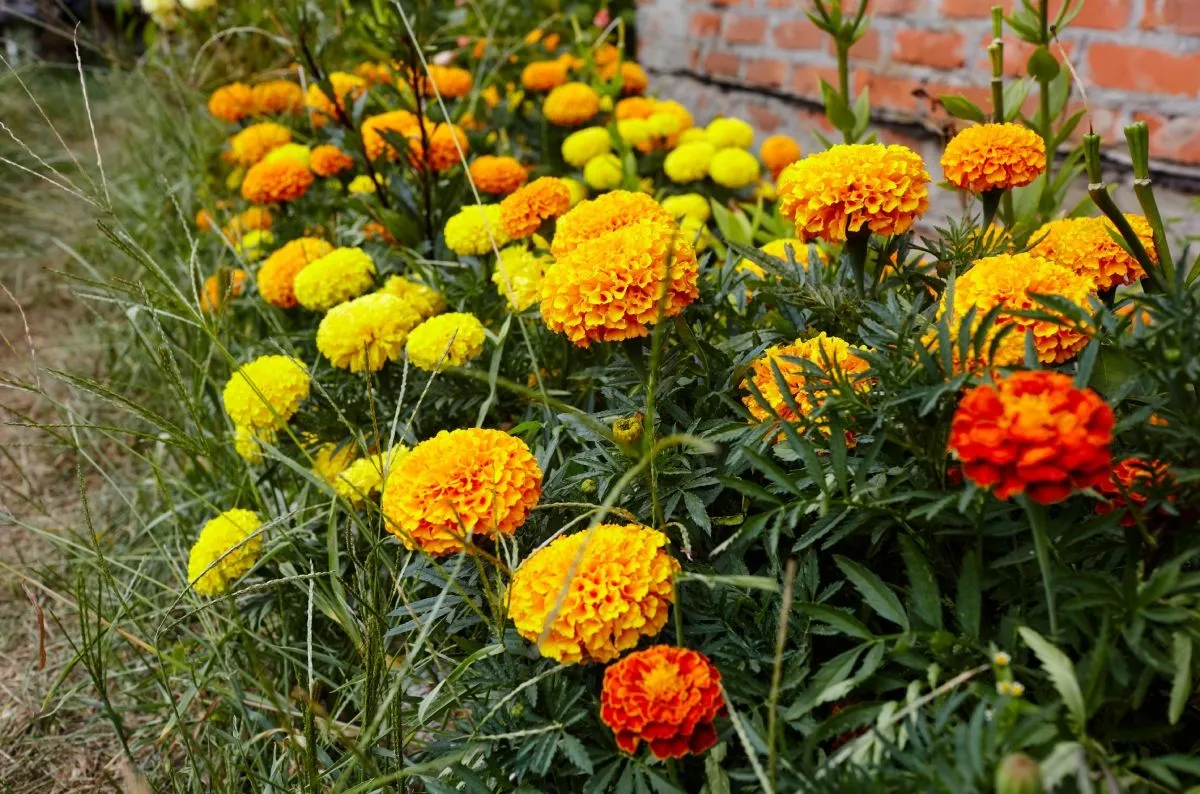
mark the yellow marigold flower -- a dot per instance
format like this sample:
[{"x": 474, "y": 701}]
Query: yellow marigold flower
[
  {"x": 366, "y": 477},
  {"x": 571, "y": 104},
  {"x": 252, "y": 244},
  {"x": 778, "y": 249},
  {"x": 247, "y": 444},
  {"x": 733, "y": 168},
  {"x": 609, "y": 212},
  {"x": 263, "y": 395},
  {"x": 232, "y": 102},
  {"x": 277, "y": 273},
  {"x": 276, "y": 97},
  {"x": 1008, "y": 280},
  {"x": 447, "y": 340},
  {"x": 424, "y": 300},
  {"x": 635, "y": 132},
  {"x": 395, "y": 122},
  {"x": 576, "y": 189},
  {"x": 633, "y": 76},
  {"x": 254, "y": 142},
  {"x": 522, "y": 213},
  {"x": 1086, "y": 246},
  {"x": 361, "y": 185},
  {"x": 726, "y": 132},
  {"x": 365, "y": 333},
  {"x": 688, "y": 205},
  {"x": 605, "y": 588},
  {"x": 497, "y": 175},
  {"x": 296, "y": 152},
  {"x": 994, "y": 157},
  {"x": 854, "y": 186},
  {"x": 765, "y": 190},
  {"x": 689, "y": 162},
  {"x": 778, "y": 152},
  {"x": 250, "y": 219},
  {"x": 609, "y": 288},
  {"x": 628, "y": 429},
  {"x": 330, "y": 460},
  {"x": 518, "y": 276},
  {"x": 346, "y": 87},
  {"x": 693, "y": 135},
  {"x": 452, "y": 82},
  {"x": 474, "y": 230},
  {"x": 328, "y": 160},
  {"x": 215, "y": 293},
  {"x": 807, "y": 390},
  {"x": 603, "y": 172},
  {"x": 682, "y": 116},
  {"x": 543, "y": 76},
  {"x": 336, "y": 277},
  {"x": 696, "y": 232},
  {"x": 275, "y": 183},
  {"x": 586, "y": 144},
  {"x": 227, "y": 548},
  {"x": 473, "y": 482}
]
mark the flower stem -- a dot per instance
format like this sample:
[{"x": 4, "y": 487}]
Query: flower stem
[{"x": 1041, "y": 545}]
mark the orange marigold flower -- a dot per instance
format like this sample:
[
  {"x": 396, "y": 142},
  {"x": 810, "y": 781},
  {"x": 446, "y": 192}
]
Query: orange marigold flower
[
  {"x": 346, "y": 87},
  {"x": 445, "y": 141},
  {"x": 1129, "y": 486},
  {"x": 1008, "y": 280},
  {"x": 665, "y": 696},
  {"x": 374, "y": 128},
  {"x": 571, "y": 104},
  {"x": 808, "y": 386},
  {"x": 250, "y": 219},
  {"x": 477, "y": 481},
  {"x": 605, "y": 54},
  {"x": 215, "y": 293},
  {"x": 1086, "y": 246},
  {"x": 633, "y": 77},
  {"x": 854, "y": 186},
  {"x": 451, "y": 82},
  {"x": 275, "y": 97},
  {"x": 543, "y": 76},
  {"x": 634, "y": 107},
  {"x": 610, "y": 288},
  {"x": 778, "y": 152},
  {"x": 232, "y": 102},
  {"x": 276, "y": 182},
  {"x": 605, "y": 587},
  {"x": 377, "y": 232},
  {"x": 328, "y": 160},
  {"x": 278, "y": 272},
  {"x": 498, "y": 175},
  {"x": 375, "y": 72},
  {"x": 257, "y": 141},
  {"x": 994, "y": 157},
  {"x": 204, "y": 220},
  {"x": 523, "y": 212},
  {"x": 588, "y": 220},
  {"x": 1034, "y": 433}
]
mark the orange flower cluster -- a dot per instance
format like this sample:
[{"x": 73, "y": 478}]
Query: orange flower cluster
[
  {"x": 543, "y": 76},
  {"x": 328, "y": 160},
  {"x": 276, "y": 182},
  {"x": 278, "y": 272},
  {"x": 806, "y": 388},
  {"x": 1034, "y": 433},
  {"x": 277, "y": 97},
  {"x": 1127, "y": 486},
  {"x": 250, "y": 219},
  {"x": 571, "y": 104},
  {"x": 522, "y": 213},
  {"x": 591, "y": 595},
  {"x": 633, "y": 77},
  {"x": 606, "y": 213},
  {"x": 665, "y": 696},
  {"x": 232, "y": 102},
  {"x": 850, "y": 187},
  {"x": 452, "y": 82},
  {"x": 462, "y": 482},
  {"x": 497, "y": 175},
  {"x": 994, "y": 157},
  {"x": 346, "y": 87},
  {"x": 1086, "y": 246},
  {"x": 778, "y": 152},
  {"x": 444, "y": 139},
  {"x": 214, "y": 295}
]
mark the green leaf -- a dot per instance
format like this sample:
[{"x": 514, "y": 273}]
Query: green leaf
[
  {"x": 716, "y": 781},
  {"x": 923, "y": 587},
  {"x": 836, "y": 109},
  {"x": 1181, "y": 685},
  {"x": 1043, "y": 65},
  {"x": 877, "y": 594},
  {"x": 842, "y": 621},
  {"x": 1015, "y": 93},
  {"x": 1062, "y": 673},
  {"x": 960, "y": 107},
  {"x": 764, "y": 583},
  {"x": 435, "y": 701},
  {"x": 577, "y": 754},
  {"x": 970, "y": 598}
]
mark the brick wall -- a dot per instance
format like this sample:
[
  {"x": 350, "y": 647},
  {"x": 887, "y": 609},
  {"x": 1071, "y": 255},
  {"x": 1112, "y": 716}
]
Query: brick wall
[{"x": 1139, "y": 59}]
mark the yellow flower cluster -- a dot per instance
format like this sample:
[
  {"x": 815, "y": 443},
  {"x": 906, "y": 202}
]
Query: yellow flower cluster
[
  {"x": 689, "y": 162},
  {"x": 475, "y": 229},
  {"x": 583, "y": 145},
  {"x": 447, "y": 340},
  {"x": 1086, "y": 246},
  {"x": 227, "y": 548},
  {"x": 263, "y": 395},
  {"x": 733, "y": 168},
  {"x": 366, "y": 477},
  {"x": 727, "y": 132},
  {"x": 688, "y": 205},
  {"x": 836, "y": 360},
  {"x": 254, "y": 142},
  {"x": 604, "y": 172},
  {"x": 994, "y": 157},
  {"x": 365, "y": 333},
  {"x": 336, "y": 277},
  {"x": 425, "y": 300},
  {"x": 518, "y": 276}
]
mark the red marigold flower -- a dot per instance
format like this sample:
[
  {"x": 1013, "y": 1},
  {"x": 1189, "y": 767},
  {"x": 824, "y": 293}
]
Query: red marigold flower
[
  {"x": 1129, "y": 484},
  {"x": 665, "y": 696},
  {"x": 1033, "y": 433}
]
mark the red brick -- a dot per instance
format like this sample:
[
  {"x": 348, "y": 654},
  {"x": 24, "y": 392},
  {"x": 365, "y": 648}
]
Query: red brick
[
  {"x": 1144, "y": 69},
  {"x": 897, "y": 94},
  {"x": 866, "y": 49},
  {"x": 1097, "y": 14},
  {"x": 763, "y": 118},
  {"x": 886, "y": 8},
  {"x": 1017, "y": 52},
  {"x": 1179, "y": 15},
  {"x": 745, "y": 30},
  {"x": 939, "y": 49},
  {"x": 960, "y": 9},
  {"x": 806, "y": 80},
  {"x": 1179, "y": 140},
  {"x": 797, "y": 5},
  {"x": 722, "y": 64},
  {"x": 769, "y": 72},
  {"x": 799, "y": 34},
  {"x": 704, "y": 24},
  {"x": 1100, "y": 120}
]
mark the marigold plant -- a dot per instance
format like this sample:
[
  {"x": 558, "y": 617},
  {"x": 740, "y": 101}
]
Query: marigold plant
[
  {"x": 1130, "y": 485},
  {"x": 265, "y": 393},
  {"x": 328, "y": 160},
  {"x": 994, "y": 157},
  {"x": 276, "y": 182},
  {"x": 338, "y": 276},
  {"x": 571, "y": 104},
  {"x": 446, "y": 340},
  {"x": 522, "y": 213},
  {"x": 254, "y": 142},
  {"x": 475, "y": 230},
  {"x": 1086, "y": 246},
  {"x": 278, "y": 272},
  {"x": 363, "y": 334},
  {"x": 227, "y": 548},
  {"x": 232, "y": 103},
  {"x": 497, "y": 175},
  {"x": 596, "y": 217}
]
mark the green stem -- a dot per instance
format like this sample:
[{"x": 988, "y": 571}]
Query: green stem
[
  {"x": 1041, "y": 544},
  {"x": 843, "y": 59},
  {"x": 1144, "y": 190},
  {"x": 785, "y": 610}
]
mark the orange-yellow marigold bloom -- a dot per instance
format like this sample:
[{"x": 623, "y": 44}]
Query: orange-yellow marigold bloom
[
  {"x": 328, "y": 160},
  {"x": 851, "y": 187},
  {"x": 346, "y": 87},
  {"x": 1034, "y": 433},
  {"x": 588, "y": 220},
  {"x": 204, "y": 220},
  {"x": 605, "y": 54},
  {"x": 278, "y": 272},
  {"x": 778, "y": 152},
  {"x": 634, "y": 107},
  {"x": 374, "y": 128},
  {"x": 277, "y": 97},
  {"x": 232, "y": 102},
  {"x": 276, "y": 182},
  {"x": 375, "y": 72},
  {"x": 214, "y": 294},
  {"x": 445, "y": 141},
  {"x": 1086, "y": 246},
  {"x": 498, "y": 175},
  {"x": 994, "y": 157},
  {"x": 836, "y": 358},
  {"x": 257, "y": 141},
  {"x": 250, "y": 219},
  {"x": 665, "y": 696},
  {"x": 633, "y": 77},
  {"x": 452, "y": 82},
  {"x": 523, "y": 212},
  {"x": 542, "y": 76},
  {"x": 571, "y": 105},
  {"x": 606, "y": 588},
  {"x": 476, "y": 481},
  {"x": 1129, "y": 486}
]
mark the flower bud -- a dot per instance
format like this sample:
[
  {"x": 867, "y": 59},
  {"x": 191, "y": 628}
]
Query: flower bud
[{"x": 1019, "y": 774}]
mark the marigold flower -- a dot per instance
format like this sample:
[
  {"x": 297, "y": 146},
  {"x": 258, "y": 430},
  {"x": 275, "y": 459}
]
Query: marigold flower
[
  {"x": 523, "y": 213},
  {"x": 1008, "y": 280},
  {"x": 336, "y": 277},
  {"x": 254, "y": 142},
  {"x": 394, "y": 122},
  {"x": 424, "y": 300},
  {"x": 726, "y": 132},
  {"x": 571, "y": 104},
  {"x": 361, "y": 185},
  {"x": 634, "y": 107},
  {"x": 232, "y": 102},
  {"x": 665, "y": 696},
  {"x": 251, "y": 245},
  {"x": 733, "y": 168},
  {"x": 366, "y": 477},
  {"x": 445, "y": 143},
  {"x": 1129, "y": 485},
  {"x": 850, "y": 187},
  {"x": 1033, "y": 433},
  {"x": 452, "y": 82},
  {"x": 214, "y": 294},
  {"x": 227, "y": 548},
  {"x": 345, "y": 87},
  {"x": 689, "y": 162},
  {"x": 778, "y": 249},
  {"x": 1086, "y": 246},
  {"x": 497, "y": 175},
  {"x": 633, "y": 77},
  {"x": 446, "y": 340},
  {"x": 375, "y": 73},
  {"x": 609, "y": 212},
  {"x": 248, "y": 220},
  {"x": 620, "y": 589},
  {"x": 586, "y": 144},
  {"x": 518, "y": 276},
  {"x": 474, "y": 230},
  {"x": 365, "y": 333},
  {"x": 994, "y": 157},
  {"x": 277, "y": 97},
  {"x": 604, "y": 172},
  {"x": 330, "y": 460},
  {"x": 205, "y": 220},
  {"x": 296, "y": 152},
  {"x": 688, "y": 205},
  {"x": 276, "y": 274},
  {"x": 610, "y": 288},
  {"x": 248, "y": 444},
  {"x": 328, "y": 160},
  {"x": 543, "y": 76},
  {"x": 460, "y": 483},
  {"x": 277, "y": 182},
  {"x": 778, "y": 152},
  {"x": 263, "y": 395},
  {"x": 628, "y": 429}
]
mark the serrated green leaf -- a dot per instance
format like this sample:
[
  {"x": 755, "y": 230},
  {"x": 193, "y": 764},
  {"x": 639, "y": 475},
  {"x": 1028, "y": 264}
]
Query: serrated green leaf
[
  {"x": 577, "y": 754},
  {"x": 970, "y": 598},
  {"x": 877, "y": 594},
  {"x": 842, "y": 621},
  {"x": 1062, "y": 674},
  {"x": 923, "y": 587}
]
